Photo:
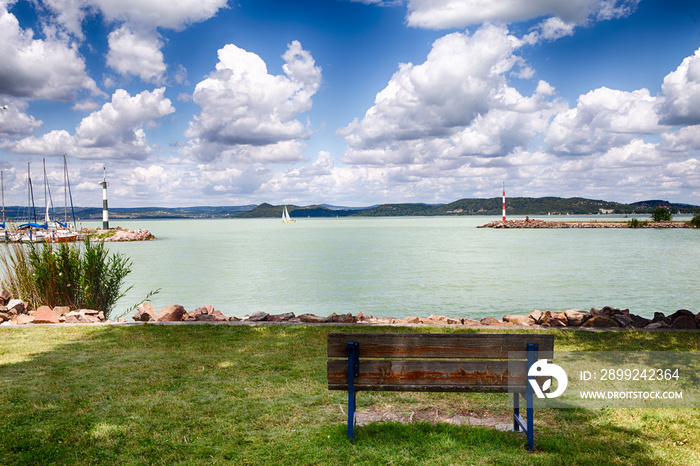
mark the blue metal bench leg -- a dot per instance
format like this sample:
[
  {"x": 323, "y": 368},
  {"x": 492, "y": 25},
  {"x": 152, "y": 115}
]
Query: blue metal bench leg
[
  {"x": 531, "y": 359},
  {"x": 353, "y": 371}
]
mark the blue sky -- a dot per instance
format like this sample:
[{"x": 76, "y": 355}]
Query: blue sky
[{"x": 216, "y": 102}]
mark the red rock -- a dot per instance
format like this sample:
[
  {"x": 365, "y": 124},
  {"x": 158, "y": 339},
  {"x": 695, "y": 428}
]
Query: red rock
[
  {"x": 600, "y": 321},
  {"x": 490, "y": 321},
  {"x": 172, "y": 313},
  {"x": 45, "y": 315},
  {"x": 145, "y": 313},
  {"x": 312, "y": 319}
]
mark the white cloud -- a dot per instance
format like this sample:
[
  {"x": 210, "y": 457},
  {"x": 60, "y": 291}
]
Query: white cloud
[
  {"x": 682, "y": 91},
  {"x": 135, "y": 44},
  {"x": 136, "y": 53},
  {"x": 441, "y": 14},
  {"x": 244, "y": 108},
  {"x": 685, "y": 139},
  {"x": 14, "y": 122},
  {"x": 603, "y": 118},
  {"x": 458, "y": 102},
  {"x": 114, "y": 131},
  {"x": 159, "y": 13},
  {"x": 39, "y": 69}
]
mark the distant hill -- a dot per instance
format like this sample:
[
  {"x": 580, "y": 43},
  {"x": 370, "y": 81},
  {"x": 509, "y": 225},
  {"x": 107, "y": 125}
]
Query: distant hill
[{"x": 492, "y": 206}]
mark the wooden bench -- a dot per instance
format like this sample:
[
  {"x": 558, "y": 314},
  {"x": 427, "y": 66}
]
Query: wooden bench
[{"x": 437, "y": 363}]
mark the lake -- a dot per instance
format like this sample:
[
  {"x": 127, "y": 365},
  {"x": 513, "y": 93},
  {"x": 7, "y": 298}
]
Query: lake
[{"x": 408, "y": 266}]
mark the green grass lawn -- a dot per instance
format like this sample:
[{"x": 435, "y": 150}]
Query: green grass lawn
[{"x": 220, "y": 394}]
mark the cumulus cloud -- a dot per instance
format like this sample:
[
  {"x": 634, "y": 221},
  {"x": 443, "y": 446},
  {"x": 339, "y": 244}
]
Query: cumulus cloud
[
  {"x": 603, "y": 118},
  {"x": 39, "y": 68},
  {"x": 245, "y": 108},
  {"x": 114, "y": 131},
  {"x": 136, "y": 53},
  {"x": 441, "y": 14},
  {"x": 681, "y": 89},
  {"x": 14, "y": 122},
  {"x": 135, "y": 45},
  {"x": 458, "y": 102}
]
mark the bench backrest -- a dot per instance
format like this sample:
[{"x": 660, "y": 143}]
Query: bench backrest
[{"x": 434, "y": 362}]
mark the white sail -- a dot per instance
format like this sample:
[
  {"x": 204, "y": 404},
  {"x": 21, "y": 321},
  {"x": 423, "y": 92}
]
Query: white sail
[{"x": 285, "y": 216}]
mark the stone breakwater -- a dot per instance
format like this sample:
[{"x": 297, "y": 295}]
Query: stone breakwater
[
  {"x": 16, "y": 312},
  {"x": 116, "y": 234},
  {"x": 592, "y": 224},
  {"x": 607, "y": 317}
]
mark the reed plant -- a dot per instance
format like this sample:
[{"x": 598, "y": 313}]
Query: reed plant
[{"x": 74, "y": 275}]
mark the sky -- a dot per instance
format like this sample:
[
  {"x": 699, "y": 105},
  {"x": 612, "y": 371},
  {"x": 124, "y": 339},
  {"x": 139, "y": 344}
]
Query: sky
[{"x": 349, "y": 102}]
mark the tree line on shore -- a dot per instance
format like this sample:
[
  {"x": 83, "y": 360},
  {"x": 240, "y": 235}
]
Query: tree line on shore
[{"x": 492, "y": 206}]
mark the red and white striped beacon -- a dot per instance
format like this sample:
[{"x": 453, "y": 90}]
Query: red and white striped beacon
[{"x": 504, "y": 201}]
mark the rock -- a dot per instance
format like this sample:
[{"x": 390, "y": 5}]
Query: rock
[
  {"x": 219, "y": 316},
  {"x": 658, "y": 317},
  {"x": 518, "y": 319},
  {"x": 89, "y": 312},
  {"x": 5, "y": 297},
  {"x": 638, "y": 321},
  {"x": 442, "y": 320},
  {"x": 412, "y": 320},
  {"x": 72, "y": 318},
  {"x": 203, "y": 317},
  {"x": 22, "y": 319},
  {"x": 258, "y": 316},
  {"x": 17, "y": 305},
  {"x": 467, "y": 321},
  {"x": 280, "y": 317},
  {"x": 681, "y": 313},
  {"x": 684, "y": 322},
  {"x": 535, "y": 315},
  {"x": 145, "y": 313},
  {"x": 697, "y": 318},
  {"x": 172, "y": 313},
  {"x": 623, "y": 320},
  {"x": 656, "y": 325},
  {"x": 312, "y": 319},
  {"x": 4, "y": 316},
  {"x": 341, "y": 318},
  {"x": 45, "y": 315},
  {"x": 553, "y": 319},
  {"x": 576, "y": 317},
  {"x": 490, "y": 321},
  {"x": 61, "y": 310},
  {"x": 234, "y": 319},
  {"x": 600, "y": 321}
]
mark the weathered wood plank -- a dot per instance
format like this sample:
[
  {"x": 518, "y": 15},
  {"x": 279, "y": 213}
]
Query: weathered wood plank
[
  {"x": 431, "y": 345},
  {"x": 435, "y": 375}
]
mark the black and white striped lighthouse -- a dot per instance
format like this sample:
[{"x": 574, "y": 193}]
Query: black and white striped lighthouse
[{"x": 105, "y": 210}]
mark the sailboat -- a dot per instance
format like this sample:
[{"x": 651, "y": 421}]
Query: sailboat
[
  {"x": 60, "y": 231},
  {"x": 285, "y": 216}
]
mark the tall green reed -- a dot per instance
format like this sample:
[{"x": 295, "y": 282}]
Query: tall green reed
[{"x": 74, "y": 275}]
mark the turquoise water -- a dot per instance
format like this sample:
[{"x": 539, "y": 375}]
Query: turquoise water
[{"x": 407, "y": 266}]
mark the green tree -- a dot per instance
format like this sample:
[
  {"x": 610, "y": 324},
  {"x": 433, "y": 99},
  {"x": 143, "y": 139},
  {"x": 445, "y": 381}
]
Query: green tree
[
  {"x": 695, "y": 221},
  {"x": 662, "y": 214}
]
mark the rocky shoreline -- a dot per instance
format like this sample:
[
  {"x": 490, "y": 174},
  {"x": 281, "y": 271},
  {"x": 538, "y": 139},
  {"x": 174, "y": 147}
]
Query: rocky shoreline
[
  {"x": 15, "y": 312},
  {"x": 530, "y": 223},
  {"x": 116, "y": 234}
]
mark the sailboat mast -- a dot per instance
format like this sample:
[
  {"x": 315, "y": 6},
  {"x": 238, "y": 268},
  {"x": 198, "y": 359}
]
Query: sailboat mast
[
  {"x": 30, "y": 195},
  {"x": 2, "y": 183},
  {"x": 46, "y": 197},
  {"x": 65, "y": 190},
  {"x": 70, "y": 194}
]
